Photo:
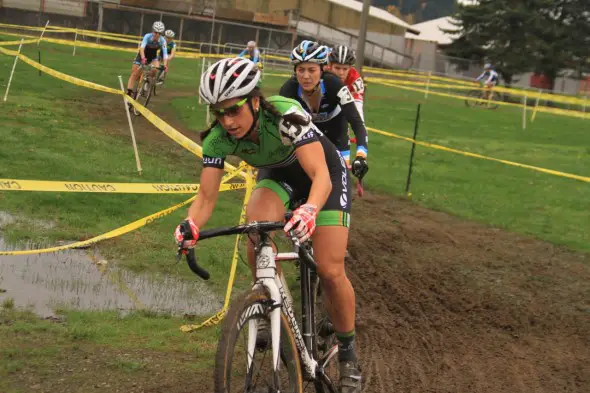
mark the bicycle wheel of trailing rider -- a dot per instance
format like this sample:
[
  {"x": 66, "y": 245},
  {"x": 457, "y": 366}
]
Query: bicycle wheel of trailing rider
[
  {"x": 324, "y": 351},
  {"x": 144, "y": 93},
  {"x": 237, "y": 371}
]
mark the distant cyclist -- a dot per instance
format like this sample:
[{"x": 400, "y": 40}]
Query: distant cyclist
[
  {"x": 341, "y": 63},
  {"x": 491, "y": 79},
  {"x": 252, "y": 53},
  {"x": 171, "y": 49},
  {"x": 148, "y": 54},
  {"x": 329, "y": 102}
]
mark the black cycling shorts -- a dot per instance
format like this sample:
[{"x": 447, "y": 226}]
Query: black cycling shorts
[{"x": 292, "y": 185}]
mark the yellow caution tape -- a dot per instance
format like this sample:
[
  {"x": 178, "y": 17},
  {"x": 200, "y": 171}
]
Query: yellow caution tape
[
  {"x": 25, "y": 42},
  {"x": 100, "y": 187},
  {"x": 109, "y": 235},
  {"x": 556, "y": 111},
  {"x": 215, "y": 319},
  {"x": 150, "y": 116},
  {"x": 468, "y": 154},
  {"x": 122, "y": 230},
  {"x": 416, "y": 75}
]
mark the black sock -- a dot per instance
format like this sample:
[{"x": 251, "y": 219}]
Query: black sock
[
  {"x": 346, "y": 347},
  {"x": 130, "y": 92}
]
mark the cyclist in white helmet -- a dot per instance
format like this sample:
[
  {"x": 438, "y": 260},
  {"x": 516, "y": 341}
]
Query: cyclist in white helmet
[
  {"x": 252, "y": 53},
  {"x": 491, "y": 79},
  {"x": 171, "y": 49},
  {"x": 148, "y": 54},
  {"x": 296, "y": 163}
]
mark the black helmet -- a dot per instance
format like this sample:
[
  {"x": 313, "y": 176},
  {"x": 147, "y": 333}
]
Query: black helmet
[{"x": 342, "y": 54}]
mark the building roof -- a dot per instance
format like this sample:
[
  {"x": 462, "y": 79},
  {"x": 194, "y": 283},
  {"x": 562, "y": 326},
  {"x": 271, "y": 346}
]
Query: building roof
[
  {"x": 375, "y": 13},
  {"x": 431, "y": 31}
]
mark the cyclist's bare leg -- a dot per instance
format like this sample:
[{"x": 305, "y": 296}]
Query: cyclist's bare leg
[
  {"x": 134, "y": 77},
  {"x": 264, "y": 205},
  {"x": 329, "y": 250}
]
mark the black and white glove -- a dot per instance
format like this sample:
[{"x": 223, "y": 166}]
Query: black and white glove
[{"x": 360, "y": 167}]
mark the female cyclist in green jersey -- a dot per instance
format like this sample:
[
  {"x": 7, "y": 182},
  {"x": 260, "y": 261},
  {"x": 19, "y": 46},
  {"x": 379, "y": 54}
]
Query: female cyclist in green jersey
[{"x": 296, "y": 165}]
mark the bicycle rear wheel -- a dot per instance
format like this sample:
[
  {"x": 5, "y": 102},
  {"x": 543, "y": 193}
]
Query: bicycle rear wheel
[
  {"x": 472, "y": 97},
  {"x": 234, "y": 373},
  {"x": 495, "y": 98}
]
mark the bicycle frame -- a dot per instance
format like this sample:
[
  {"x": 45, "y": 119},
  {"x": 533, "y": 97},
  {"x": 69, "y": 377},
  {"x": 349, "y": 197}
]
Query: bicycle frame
[
  {"x": 268, "y": 278},
  {"x": 274, "y": 283}
]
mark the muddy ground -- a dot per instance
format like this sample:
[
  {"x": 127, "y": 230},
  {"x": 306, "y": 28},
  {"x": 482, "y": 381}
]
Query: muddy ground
[{"x": 445, "y": 305}]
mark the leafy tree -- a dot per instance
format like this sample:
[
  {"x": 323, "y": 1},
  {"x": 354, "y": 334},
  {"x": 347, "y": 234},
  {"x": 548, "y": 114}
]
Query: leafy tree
[{"x": 546, "y": 36}]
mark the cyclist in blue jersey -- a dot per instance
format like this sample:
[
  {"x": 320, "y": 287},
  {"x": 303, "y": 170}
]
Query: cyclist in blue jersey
[
  {"x": 252, "y": 53},
  {"x": 171, "y": 49},
  {"x": 148, "y": 54},
  {"x": 491, "y": 79}
]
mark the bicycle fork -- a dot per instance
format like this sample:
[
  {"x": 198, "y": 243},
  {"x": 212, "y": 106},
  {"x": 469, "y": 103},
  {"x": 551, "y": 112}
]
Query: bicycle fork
[{"x": 267, "y": 277}]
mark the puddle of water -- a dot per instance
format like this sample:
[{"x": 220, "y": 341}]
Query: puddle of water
[{"x": 73, "y": 280}]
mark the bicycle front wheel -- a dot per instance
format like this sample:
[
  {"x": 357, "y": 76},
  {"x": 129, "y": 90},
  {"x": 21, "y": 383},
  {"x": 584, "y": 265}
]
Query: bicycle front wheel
[
  {"x": 238, "y": 371},
  {"x": 144, "y": 93}
]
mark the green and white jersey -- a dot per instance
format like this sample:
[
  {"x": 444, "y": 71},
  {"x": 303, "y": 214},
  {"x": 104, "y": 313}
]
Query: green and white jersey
[{"x": 277, "y": 139}]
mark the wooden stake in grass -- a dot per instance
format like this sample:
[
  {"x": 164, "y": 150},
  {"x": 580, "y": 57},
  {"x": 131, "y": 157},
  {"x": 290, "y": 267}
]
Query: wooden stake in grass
[
  {"x": 524, "y": 101},
  {"x": 534, "y": 115},
  {"x": 125, "y": 96},
  {"x": 13, "y": 69}
]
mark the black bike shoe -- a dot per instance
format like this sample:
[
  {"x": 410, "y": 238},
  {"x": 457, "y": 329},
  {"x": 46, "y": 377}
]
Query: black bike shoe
[{"x": 350, "y": 377}]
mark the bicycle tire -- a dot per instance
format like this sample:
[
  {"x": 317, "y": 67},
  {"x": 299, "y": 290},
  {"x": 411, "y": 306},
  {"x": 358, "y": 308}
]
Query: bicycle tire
[
  {"x": 494, "y": 100},
  {"x": 321, "y": 348},
  {"x": 469, "y": 101},
  {"x": 144, "y": 99},
  {"x": 251, "y": 305}
]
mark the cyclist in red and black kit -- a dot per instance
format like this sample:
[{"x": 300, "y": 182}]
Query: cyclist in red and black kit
[
  {"x": 341, "y": 63},
  {"x": 329, "y": 102}
]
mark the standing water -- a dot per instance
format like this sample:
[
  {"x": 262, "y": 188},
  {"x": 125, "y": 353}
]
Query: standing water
[{"x": 82, "y": 280}]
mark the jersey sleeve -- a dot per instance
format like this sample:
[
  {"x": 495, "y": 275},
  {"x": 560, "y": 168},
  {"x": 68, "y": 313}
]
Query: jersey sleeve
[
  {"x": 294, "y": 134},
  {"x": 256, "y": 56},
  {"x": 215, "y": 148},
  {"x": 145, "y": 40},
  {"x": 349, "y": 109},
  {"x": 164, "y": 47},
  {"x": 243, "y": 53}
]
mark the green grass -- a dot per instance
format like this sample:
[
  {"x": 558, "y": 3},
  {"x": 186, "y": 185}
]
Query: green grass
[{"x": 53, "y": 130}]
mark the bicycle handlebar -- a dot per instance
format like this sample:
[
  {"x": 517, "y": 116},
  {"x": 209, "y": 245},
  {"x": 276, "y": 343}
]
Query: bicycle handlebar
[{"x": 260, "y": 226}]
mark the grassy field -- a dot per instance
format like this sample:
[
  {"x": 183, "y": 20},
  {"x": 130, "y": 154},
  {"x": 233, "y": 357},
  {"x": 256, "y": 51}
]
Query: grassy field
[{"x": 53, "y": 130}]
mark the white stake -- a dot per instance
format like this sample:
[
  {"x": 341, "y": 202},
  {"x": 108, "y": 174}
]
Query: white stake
[
  {"x": 524, "y": 101},
  {"x": 428, "y": 85},
  {"x": 13, "y": 68},
  {"x": 75, "y": 40},
  {"x": 42, "y": 33},
  {"x": 125, "y": 96}
]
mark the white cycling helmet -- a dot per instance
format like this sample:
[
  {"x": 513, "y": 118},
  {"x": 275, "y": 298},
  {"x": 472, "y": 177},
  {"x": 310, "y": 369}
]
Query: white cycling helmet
[
  {"x": 487, "y": 66},
  {"x": 169, "y": 34},
  {"x": 251, "y": 44},
  {"x": 229, "y": 78},
  {"x": 158, "y": 27},
  {"x": 309, "y": 51}
]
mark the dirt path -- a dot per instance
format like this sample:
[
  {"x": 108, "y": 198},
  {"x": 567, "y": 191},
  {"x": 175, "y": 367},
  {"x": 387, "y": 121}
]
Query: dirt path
[{"x": 447, "y": 305}]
